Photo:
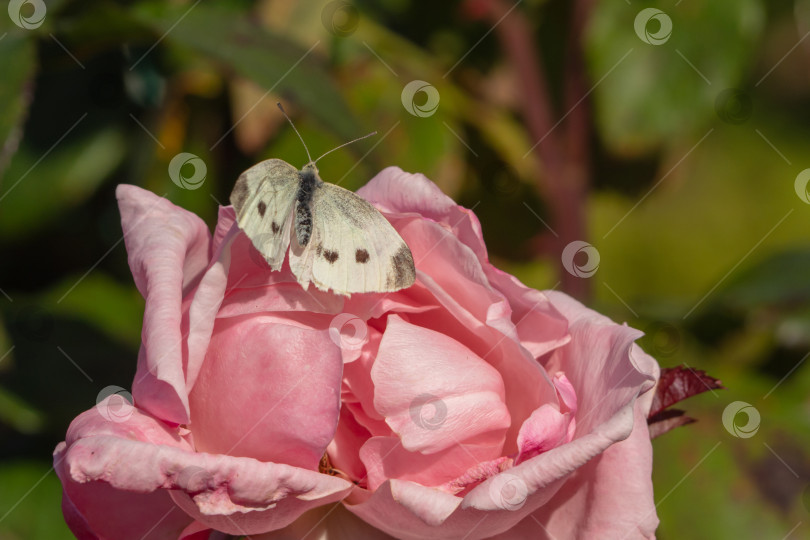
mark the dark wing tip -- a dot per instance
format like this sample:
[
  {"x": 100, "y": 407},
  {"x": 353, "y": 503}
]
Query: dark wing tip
[
  {"x": 240, "y": 193},
  {"x": 403, "y": 272}
]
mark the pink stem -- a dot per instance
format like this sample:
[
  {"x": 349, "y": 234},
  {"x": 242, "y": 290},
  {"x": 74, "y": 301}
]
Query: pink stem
[{"x": 562, "y": 150}]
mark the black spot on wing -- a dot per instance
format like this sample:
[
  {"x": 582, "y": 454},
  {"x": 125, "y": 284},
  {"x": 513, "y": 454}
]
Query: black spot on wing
[
  {"x": 262, "y": 208},
  {"x": 330, "y": 256},
  {"x": 361, "y": 256},
  {"x": 402, "y": 273},
  {"x": 274, "y": 226}
]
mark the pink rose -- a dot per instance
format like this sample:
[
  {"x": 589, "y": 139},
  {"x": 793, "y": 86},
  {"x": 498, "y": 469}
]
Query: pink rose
[{"x": 467, "y": 406}]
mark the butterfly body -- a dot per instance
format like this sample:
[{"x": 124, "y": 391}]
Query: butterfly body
[
  {"x": 310, "y": 181},
  {"x": 336, "y": 239}
]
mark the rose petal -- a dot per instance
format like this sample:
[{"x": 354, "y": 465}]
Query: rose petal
[
  {"x": 199, "y": 317},
  {"x": 527, "y": 385},
  {"x": 358, "y": 387},
  {"x": 545, "y": 469},
  {"x": 545, "y": 429},
  {"x": 414, "y": 299},
  {"x": 332, "y": 522},
  {"x": 95, "y": 510},
  {"x": 226, "y": 218},
  {"x": 606, "y": 353},
  {"x": 609, "y": 497},
  {"x": 368, "y": 421},
  {"x": 232, "y": 494},
  {"x": 412, "y": 512},
  {"x": 477, "y": 315},
  {"x": 385, "y": 458},
  {"x": 462, "y": 399},
  {"x": 452, "y": 265},
  {"x": 394, "y": 505},
  {"x": 267, "y": 391},
  {"x": 568, "y": 396},
  {"x": 344, "y": 449},
  {"x": 616, "y": 370},
  {"x": 168, "y": 248},
  {"x": 196, "y": 531},
  {"x": 116, "y": 417},
  {"x": 477, "y": 474},
  {"x": 540, "y": 326},
  {"x": 568, "y": 401},
  {"x": 398, "y": 192}
]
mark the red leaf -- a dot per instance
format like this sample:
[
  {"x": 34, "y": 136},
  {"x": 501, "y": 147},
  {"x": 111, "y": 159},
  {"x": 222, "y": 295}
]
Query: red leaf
[
  {"x": 667, "y": 420},
  {"x": 676, "y": 384}
]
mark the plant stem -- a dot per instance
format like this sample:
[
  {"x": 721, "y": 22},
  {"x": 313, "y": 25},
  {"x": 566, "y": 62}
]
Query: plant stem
[{"x": 562, "y": 149}]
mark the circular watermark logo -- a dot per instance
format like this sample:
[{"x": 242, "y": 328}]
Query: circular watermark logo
[
  {"x": 428, "y": 411},
  {"x": 800, "y": 185},
  {"x": 420, "y": 98},
  {"x": 508, "y": 491},
  {"x": 752, "y": 418},
  {"x": 28, "y": 14},
  {"x": 340, "y": 18},
  {"x": 664, "y": 339},
  {"x": 653, "y": 26},
  {"x": 583, "y": 269},
  {"x": 347, "y": 331},
  {"x": 118, "y": 408},
  {"x": 187, "y": 170},
  {"x": 733, "y": 106},
  {"x": 193, "y": 479}
]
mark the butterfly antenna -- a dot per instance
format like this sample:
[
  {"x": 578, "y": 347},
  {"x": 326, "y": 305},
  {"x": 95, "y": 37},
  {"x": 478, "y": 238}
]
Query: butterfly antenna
[
  {"x": 296, "y": 131},
  {"x": 345, "y": 144}
]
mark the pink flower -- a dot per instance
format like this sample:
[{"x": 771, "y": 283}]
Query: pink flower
[{"x": 467, "y": 406}]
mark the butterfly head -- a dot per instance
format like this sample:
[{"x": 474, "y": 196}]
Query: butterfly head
[{"x": 309, "y": 176}]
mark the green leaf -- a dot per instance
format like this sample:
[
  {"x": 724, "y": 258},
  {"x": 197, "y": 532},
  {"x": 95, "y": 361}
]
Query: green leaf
[
  {"x": 781, "y": 279},
  {"x": 663, "y": 255},
  {"x": 18, "y": 58},
  {"x": 37, "y": 190},
  {"x": 103, "y": 23},
  {"x": 18, "y": 414},
  {"x": 647, "y": 93},
  {"x": 103, "y": 303},
  {"x": 229, "y": 37},
  {"x": 698, "y": 477},
  {"x": 30, "y": 503}
]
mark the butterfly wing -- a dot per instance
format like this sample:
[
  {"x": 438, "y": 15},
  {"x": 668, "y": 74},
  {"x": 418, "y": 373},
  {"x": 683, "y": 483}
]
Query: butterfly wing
[
  {"x": 263, "y": 198},
  {"x": 353, "y": 248}
]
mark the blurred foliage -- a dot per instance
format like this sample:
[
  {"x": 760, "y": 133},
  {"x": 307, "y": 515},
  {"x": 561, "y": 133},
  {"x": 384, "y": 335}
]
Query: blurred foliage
[
  {"x": 36, "y": 515},
  {"x": 660, "y": 93},
  {"x": 18, "y": 54},
  {"x": 696, "y": 145}
]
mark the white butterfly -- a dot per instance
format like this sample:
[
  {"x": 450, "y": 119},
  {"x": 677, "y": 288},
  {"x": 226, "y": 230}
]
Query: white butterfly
[{"x": 338, "y": 240}]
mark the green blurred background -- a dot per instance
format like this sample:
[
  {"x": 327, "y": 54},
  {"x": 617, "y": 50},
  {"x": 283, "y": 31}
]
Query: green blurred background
[{"x": 675, "y": 156}]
